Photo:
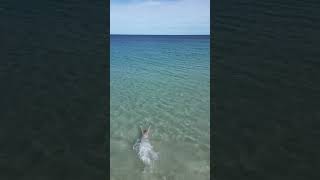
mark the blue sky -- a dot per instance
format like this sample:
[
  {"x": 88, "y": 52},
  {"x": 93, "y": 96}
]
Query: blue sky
[{"x": 160, "y": 17}]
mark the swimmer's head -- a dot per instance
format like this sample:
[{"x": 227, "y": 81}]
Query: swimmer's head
[{"x": 145, "y": 132}]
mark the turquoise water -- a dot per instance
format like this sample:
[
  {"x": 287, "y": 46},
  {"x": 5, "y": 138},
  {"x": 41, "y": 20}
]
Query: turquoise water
[{"x": 162, "y": 81}]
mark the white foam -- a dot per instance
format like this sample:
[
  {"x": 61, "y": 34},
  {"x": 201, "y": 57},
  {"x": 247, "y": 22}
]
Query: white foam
[{"x": 145, "y": 151}]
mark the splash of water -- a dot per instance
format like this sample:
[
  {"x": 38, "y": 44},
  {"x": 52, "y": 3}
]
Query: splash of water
[{"x": 145, "y": 152}]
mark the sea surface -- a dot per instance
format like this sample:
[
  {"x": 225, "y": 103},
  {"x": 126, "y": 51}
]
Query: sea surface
[
  {"x": 162, "y": 82},
  {"x": 53, "y": 90},
  {"x": 266, "y": 89}
]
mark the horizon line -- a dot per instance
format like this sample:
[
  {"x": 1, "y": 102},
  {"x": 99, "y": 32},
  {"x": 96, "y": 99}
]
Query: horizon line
[{"x": 164, "y": 34}]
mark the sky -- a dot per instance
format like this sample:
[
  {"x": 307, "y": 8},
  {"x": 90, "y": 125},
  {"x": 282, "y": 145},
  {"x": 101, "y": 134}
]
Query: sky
[{"x": 160, "y": 17}]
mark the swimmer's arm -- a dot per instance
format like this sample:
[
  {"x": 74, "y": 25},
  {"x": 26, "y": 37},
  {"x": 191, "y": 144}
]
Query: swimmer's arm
[{"x": 141, "y": 130}]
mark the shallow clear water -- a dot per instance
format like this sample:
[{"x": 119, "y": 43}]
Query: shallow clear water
[{"x": 162, "y": 81}]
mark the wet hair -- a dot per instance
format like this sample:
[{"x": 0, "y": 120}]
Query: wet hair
[{"x": 144, "y": 131}]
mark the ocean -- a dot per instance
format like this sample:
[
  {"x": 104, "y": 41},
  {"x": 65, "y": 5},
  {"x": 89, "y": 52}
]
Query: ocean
[
  {"x": 162, "y": 82},
  {"x": 54, "y": 111},
  {"x": 266, "y": 89},
  {"x": 54, "y": 91}
]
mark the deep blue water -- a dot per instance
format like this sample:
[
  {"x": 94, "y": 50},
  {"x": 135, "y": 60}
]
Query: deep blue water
[
  {"x": 266, "y": 89},
  {"x": 53, "y": 90}
]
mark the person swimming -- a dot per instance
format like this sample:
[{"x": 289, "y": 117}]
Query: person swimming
[{"x": 144, "y": 148}]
